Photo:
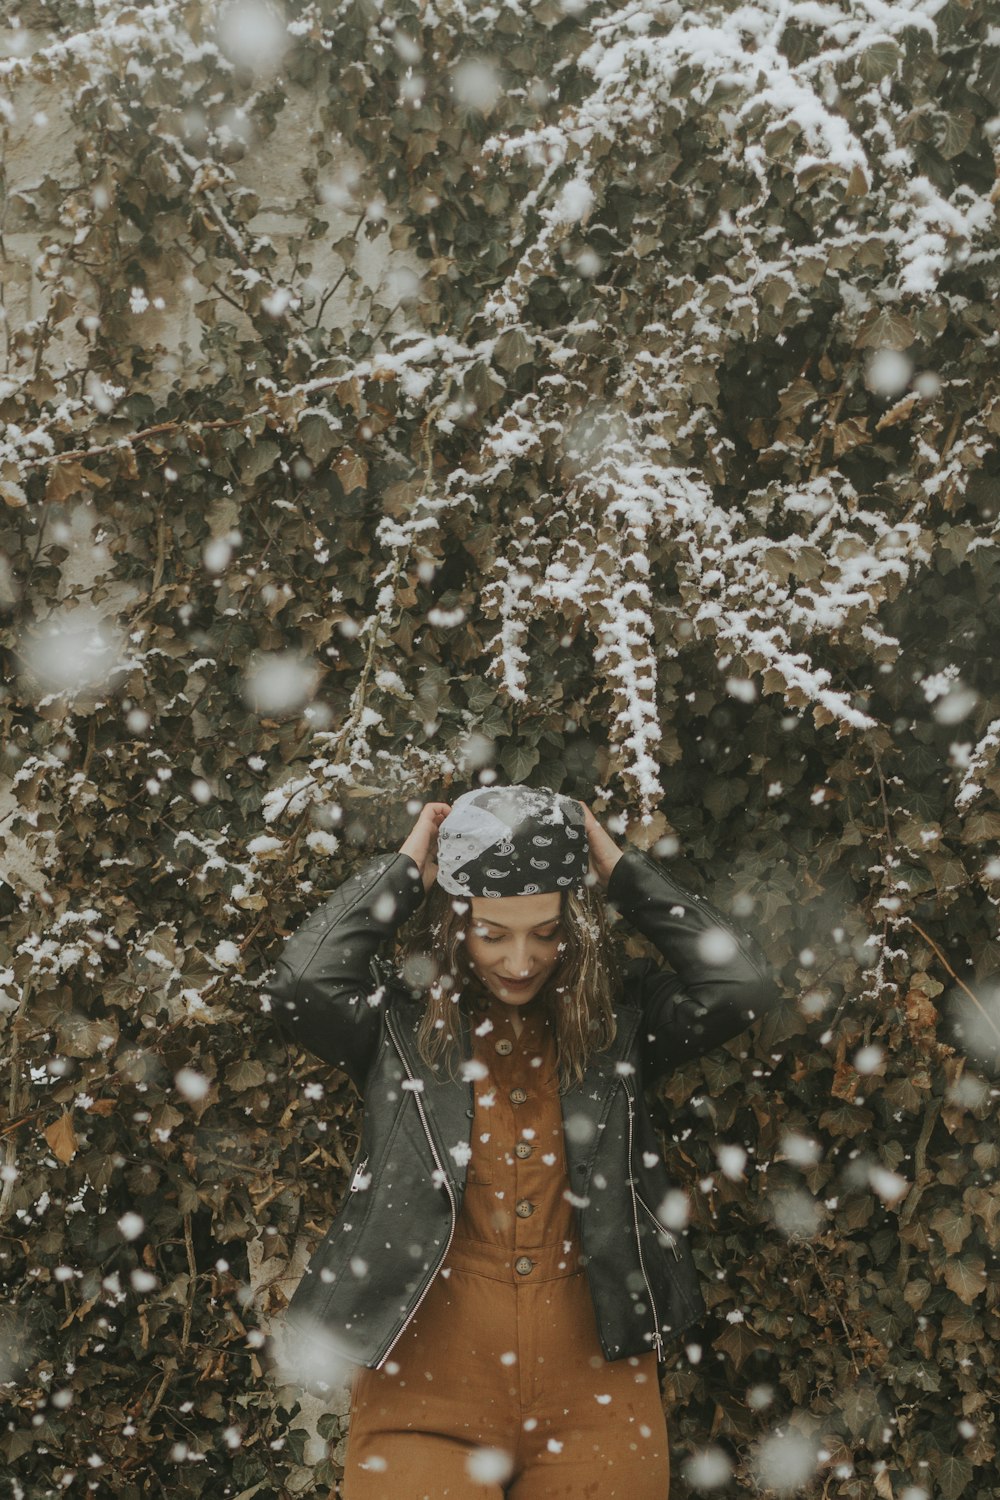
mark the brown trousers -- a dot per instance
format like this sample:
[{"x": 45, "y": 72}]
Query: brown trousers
[{"x": 498, "y": 1386}]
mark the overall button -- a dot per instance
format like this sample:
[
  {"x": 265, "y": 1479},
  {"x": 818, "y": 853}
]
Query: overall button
[
  {"x": 503, "y": 1047},
  {"x": 518, "y": 1096},
  {"x": 524, "y": 1208},
  {"x": 523, "y": 1265},
  {"x": 523, "y": 1149}
]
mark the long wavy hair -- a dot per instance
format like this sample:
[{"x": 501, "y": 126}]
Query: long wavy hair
[{"x": 579, "y": 995}]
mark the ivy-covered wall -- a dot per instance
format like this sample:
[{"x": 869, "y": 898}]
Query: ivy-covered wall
[{"x": 598, "y": 396}]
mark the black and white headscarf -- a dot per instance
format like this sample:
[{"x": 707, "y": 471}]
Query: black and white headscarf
[{"x": 512, "y": 841}]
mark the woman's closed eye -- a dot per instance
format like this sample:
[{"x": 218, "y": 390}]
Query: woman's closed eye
[{"x": 546, "y": 937}]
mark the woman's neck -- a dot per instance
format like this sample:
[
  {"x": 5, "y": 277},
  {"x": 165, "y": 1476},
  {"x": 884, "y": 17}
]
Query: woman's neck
[{"x": 482, "y": 997}]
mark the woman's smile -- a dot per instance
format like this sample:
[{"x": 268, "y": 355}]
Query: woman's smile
[
  {"x": 512, "y": 990},
  {"x": 517, "y": 984}
]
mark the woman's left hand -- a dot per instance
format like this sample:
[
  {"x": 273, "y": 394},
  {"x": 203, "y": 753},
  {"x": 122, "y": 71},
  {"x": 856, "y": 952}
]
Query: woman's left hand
[{"x": 604, "y": 852}]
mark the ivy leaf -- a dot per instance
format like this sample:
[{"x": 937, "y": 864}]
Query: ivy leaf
[
  {"x": 255, "y": 461},
  {"x": 519, "y": 761},
  {"x": 959, "y": 123},
  {"x": 352, "y": 470},
  {"x": 878, "y": 61},
  {"x": 979, "y": 827},
  {"x": 953, "y": 1226},
  {"x": 859, "y": 1404},
  {"x": 66, "y": 479},
  {"x": 295, "y": 1441},
  {"x": 849, "y": 1120},
  {"x": 987, "y": 80},
  {"x": 247, "y": 1073},
  {"x": 12, "y": 494},
  {"x": 721, "y": 794},
  {"x": 319, "y": 433},
  {"x": 885, "y": 329},
  {"x": 483, "y": 385},
  {"x": 80, "y": 1037},
  {"x": 739, "y": 1342},
  {"x": 513, "y": 348},
  {"x": 62, "y": 1137},
  {"x": 966, "y": 1275},
  {"x": 479, "y": 694},
  {"x": 953, "y": 1476},
  {"x": 720, "y": 1071},
  {"x": 964, "y": 1327}
]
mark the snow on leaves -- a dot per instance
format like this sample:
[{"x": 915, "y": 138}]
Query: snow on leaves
[{"x": 673, "y": 392}]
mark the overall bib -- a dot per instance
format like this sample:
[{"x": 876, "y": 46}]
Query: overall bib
[{"x": 498, "y": 1386}]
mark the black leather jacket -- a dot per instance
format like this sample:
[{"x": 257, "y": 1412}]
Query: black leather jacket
[{"x": 340, "y": 1000}]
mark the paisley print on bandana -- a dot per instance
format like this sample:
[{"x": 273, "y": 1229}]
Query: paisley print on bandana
[{"x": 511, "y": 823}]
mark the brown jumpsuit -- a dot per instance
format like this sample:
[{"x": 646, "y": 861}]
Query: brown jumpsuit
[{"x": 498, "y": 1386}]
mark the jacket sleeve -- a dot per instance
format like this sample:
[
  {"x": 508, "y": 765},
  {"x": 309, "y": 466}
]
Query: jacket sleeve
[
  {"x": 721, "y": 982},
  {"x": 327, "y": 988}
]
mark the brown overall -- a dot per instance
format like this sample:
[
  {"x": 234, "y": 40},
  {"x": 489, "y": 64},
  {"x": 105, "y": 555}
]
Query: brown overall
[{"x": 498, "y": 1386}]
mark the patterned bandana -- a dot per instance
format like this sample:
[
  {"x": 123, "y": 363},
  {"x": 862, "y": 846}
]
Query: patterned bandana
[{"x": 512, "y": 841}]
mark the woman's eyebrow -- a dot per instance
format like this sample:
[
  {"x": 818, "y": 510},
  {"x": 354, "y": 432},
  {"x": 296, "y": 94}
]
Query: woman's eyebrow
[{"x": 488, "y": 922}]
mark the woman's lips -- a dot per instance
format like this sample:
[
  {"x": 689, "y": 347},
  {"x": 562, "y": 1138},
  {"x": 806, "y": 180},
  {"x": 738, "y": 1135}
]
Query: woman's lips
[{"x": 517, "y": 984}]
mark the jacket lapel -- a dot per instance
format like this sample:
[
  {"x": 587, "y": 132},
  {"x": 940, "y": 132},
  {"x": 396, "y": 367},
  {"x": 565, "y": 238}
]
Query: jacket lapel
[
  {"x": 448, "y": 1105},
  {"x": 586, "y": 1104}
]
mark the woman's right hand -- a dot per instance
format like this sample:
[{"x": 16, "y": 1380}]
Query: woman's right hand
[{"x": 421, "y": 844}]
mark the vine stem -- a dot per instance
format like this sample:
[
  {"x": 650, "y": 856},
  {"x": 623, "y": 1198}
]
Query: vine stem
[
  {"x": 33, "y": 1114},
  {"x": 186, "y": 1327},
  {"x": 14, "y": 1104},
  {"x": 161, "y": 1392},
  {"x": 130, "y": 439},
  {"x": 957, "y": 977},
  {"x": 268, "y": 408},
  {"x": 192, "y": 1279},
  {"x": 840, "y": 1314}
]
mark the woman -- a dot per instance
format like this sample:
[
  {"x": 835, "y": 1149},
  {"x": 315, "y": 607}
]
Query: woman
[{"x": 510, "y": 1263}]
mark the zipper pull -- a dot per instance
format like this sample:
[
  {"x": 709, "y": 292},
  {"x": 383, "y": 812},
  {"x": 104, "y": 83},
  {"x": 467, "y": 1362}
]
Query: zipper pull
[{"x": 356, "y": 1183}]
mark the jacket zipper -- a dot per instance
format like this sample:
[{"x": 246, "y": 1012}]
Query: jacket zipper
[
  {"x": 358, "y": 1172},
  {"x": 454, "y": 1212},
  {"x": 670, "y": 1237},
  {"x": 638, "y": 1243}
]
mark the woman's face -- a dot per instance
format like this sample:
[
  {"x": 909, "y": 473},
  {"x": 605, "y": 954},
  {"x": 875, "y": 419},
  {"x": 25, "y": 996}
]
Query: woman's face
[{"x": 512, "y": 938}]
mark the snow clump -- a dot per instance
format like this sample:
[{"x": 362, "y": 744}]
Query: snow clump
[
  {"x": 489, "y": 1465},
  {"x": 708, "y": 1470},
  {"x": 252, "y": 35},
  {"x": 192, "y": 1084},
  {"x": 131, "y": 1225},
  {"x": 785, "y": 1462}
]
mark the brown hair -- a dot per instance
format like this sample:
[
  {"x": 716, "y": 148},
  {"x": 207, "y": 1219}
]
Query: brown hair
[{"x": 579, "y": 994}]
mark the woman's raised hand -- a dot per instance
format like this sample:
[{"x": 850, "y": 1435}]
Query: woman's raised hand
[
  {"x": 421, "y": 842},
  {"x": 604, "y": 852}
]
